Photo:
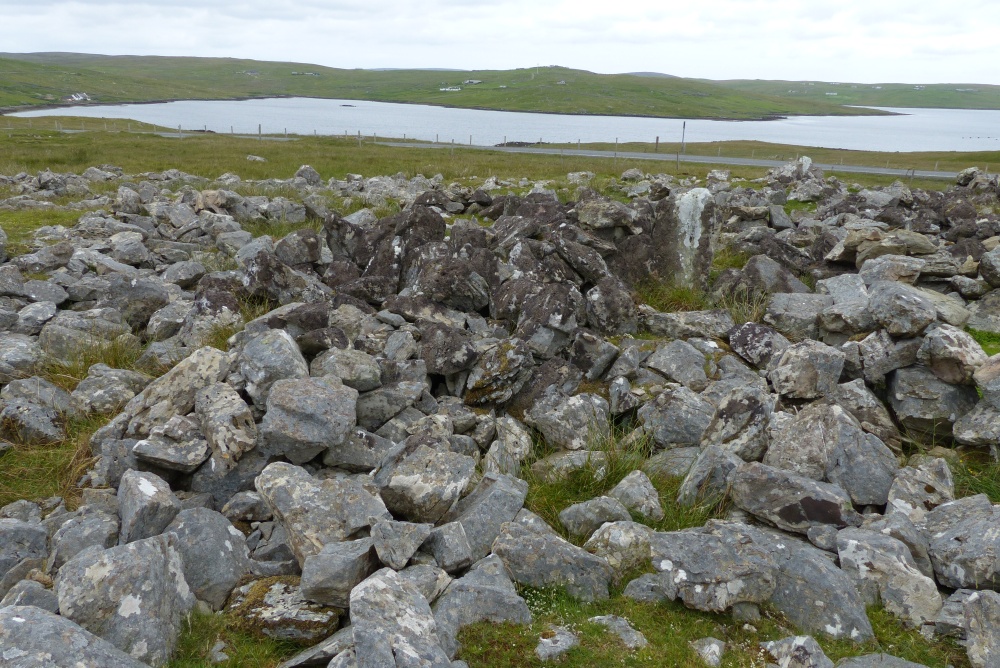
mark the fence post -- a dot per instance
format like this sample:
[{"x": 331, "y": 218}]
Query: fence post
[
  {"x": 259, "y": 137},
  {"x": 656, "y": 149}
]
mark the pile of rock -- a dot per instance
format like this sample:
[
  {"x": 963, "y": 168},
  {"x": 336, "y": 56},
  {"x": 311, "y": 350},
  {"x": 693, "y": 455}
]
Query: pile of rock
[{"x": 349, "y": 471}]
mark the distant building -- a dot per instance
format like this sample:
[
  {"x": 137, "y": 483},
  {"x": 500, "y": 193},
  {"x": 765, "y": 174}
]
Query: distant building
[
  {"x": 450, "y": 89},
  {"x": 560, "y": 83},
  {"x": 77, "y": 97},
  {"x": 832, "y": 94},
  {"x": 305, "y": 74},
  {"x": 472, "y": 82}
]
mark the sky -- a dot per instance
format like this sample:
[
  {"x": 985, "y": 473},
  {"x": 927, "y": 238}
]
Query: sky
[{"x": 864, "y": 41}]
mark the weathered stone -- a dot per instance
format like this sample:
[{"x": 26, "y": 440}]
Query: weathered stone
[
  {"x": 709, "y": 650},
  {"x": 392, "y": 619},
  {"x": 329, "y": 576},
  {"x": 677, "y": 417},
  {"x": 571, "y": 423},
  {"x": 797, "y": 652},
  {"x": 807, "y": 370},
  {"x": 275, "y": 608},
  {"x": 637, "y": 494},
  {"x": 924, "y": 403},
  {"x": 825, "y": 442},
  {"x": 146, "y": 505},
  {"x": 791, "y": 502},
  {"x": 306, "y": 416},
  {"x": 28, "y": 422},
  {"x": 582, "y": 519},
  {"x": 177, "y": 445},
  {"x": 32, "y": 636},
  {"x": 796, "y": 315},
  {"x": 449, "y": 546},
  {"x": 19, "y": 541},
  {"x": 485, "y": 593},
  {"x": 495, "y": 500},
  {"x": 987, "y": 378},
  {"x": 545, "y": 560},
  {"x": 982, "y": 621},
  {"x": 213, "y": 551},
  {"x": 267, "y": 358},
  {"x": 965, "y": 552},
  {"x": 740, "y": 422},
  {"x": 134, "y": 596},
  {"x": 707, "y": 479},
  {"x": 625, "y": 546},
  {"x": 377, "y": 407},
  {"x": 396, "y": 542},
  {"x": 420, "y": 482},
  {"x": 887, "y": 563},
  {"x": 226, "y": 422},
  {"x": 680, "y": 362},
  {"x": 317, "y": 512},
  {"x": 499, "y": 374}
]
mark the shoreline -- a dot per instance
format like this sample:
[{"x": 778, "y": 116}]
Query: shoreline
[{"x": 4, "y": 111}]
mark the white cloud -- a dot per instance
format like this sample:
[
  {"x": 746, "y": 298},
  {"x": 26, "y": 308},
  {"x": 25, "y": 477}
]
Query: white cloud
[{"x": 850, "y": 40}]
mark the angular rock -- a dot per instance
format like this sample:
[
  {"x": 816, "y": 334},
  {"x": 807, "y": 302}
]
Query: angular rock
[
  {"x": 677, "y": 417},
  {"x": 213, "y": 551},
  {"x": 982, "y": 621},
  {"x": 680, "y": 362},
  {"x": 134, "y": 596},
  {"x": 274, "y": 606},
  {"x": 570, "y": 423},
  {"x": 306, "y": 416},
  {"x": 582, "y": 519},
  {"x": 637, "y": 494},
  {"x": 923, "y": 403},
  {"x": 420, "y": 482},
  {"x": 392, "y": 619},
  {"x": 267, "y": 358},
  {"x": 396, "y": 542},
  {"x": 317, "y": 512},
  {"x": 545, "y": 560},
  {"x": 329, "y": 576},
  {"x": 31, "y": 636},
  {"x": 807, "y": 370},
  {"x": 495, "y": 500},
  {"x": 146, "y": 505},
  {"x": 790, "y": 502}
]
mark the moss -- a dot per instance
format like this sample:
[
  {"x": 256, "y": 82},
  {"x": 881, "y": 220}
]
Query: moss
[{"x": 246, "y": 608}]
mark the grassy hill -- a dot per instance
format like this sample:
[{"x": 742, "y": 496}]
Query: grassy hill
[
  {"x": 939, "y": 96},
  {"x": 45, "y": 78}
]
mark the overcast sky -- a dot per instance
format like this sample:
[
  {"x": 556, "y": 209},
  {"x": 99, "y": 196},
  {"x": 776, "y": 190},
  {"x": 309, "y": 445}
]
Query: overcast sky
[{"x": 847, "y": 40}]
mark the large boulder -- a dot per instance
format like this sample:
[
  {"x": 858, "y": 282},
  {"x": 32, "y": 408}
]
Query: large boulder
[
  {"x": 420, "y": 479},
  {"x": 306, "y": 416},
  {"x": 134, "y": 596}
]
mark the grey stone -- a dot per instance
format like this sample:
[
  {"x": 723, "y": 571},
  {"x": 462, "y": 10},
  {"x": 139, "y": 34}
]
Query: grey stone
[
  {"x": 825, "y": 442},
  {"x": 681, "y": 362},
  {"x": 789, "y": 501},
  {"x": 146, "y": 505},
  {"x": 85, "y": 529},
  {"x": 276, "y": 608},
  {"x": 923, "y": 403},
  {"x": 637, "y": 493},
  {"x": 40, "y": 392},
  {"x": 554, "y": 643},
  {"x": 392, "y": 619},
  {"x": 321, "y": 654},
  {"x": 951, "y": 354},
  {"x": 621, "y": 627},
  {"x": 226, "y": 422},
  {"x": 495, "y": 500},
  {"x": 797, "y": 652},
  {"x": 901, "y": 309},
  {"x": 267, "y": 358},
  {"x": 677, "y": 417},
  {"x": 317, "y": 512},
  {"x": 877, "y": 661},
  {"x": 134, "y": 596},
  {"x": 887, "y": 564},
  {"x": 671, "y": 463},
  {"x": 987, "y": 378},
  {"x": 420, "y": 482},
  {"x": 329, "y": 576},
  {"x": 807, "y": 370},
  {"x": 32, "y": 636},
  {"x": 966, "y": 551},
  {"x": 980, "y": 427},
  {"x": 485, "y": 593},
  {"x": 30, "y": 592},
  {"x": 27, "y": 422},
  {"x": 582, "y": 519},
  {"x": 106, "y": 390},
  {"x": 796, "y": 315},
  {"x": 500, "y": 373},
  {"x": 625, "y": 546},
  {"x": 544, "y": 560},
  {"x": 859, "y": 401},
  {"x": 19, "y": 541},
  {"x": 355, "y": 368},
  {"x": 569, "y": 422},
  {"x": 377, "y": 407},
  {"x": 213, "y": 551},
  {"x": 920, "y": 489},
  {"x": 306, "y": 416},
  {"x": 710, "y": 650},
  {"x": 512, "y": 447},
  {"x": 708, "y": 572},
  {"x": 32, "y": 317},
  {"x": 449, "y": 546},
  {"x": 707, "y": 480},
  {"x": 361, "y": 451},
  {"x": 177, "y": 445},
  {"x": 396, "y": 542},
  {"x": 898, "y": 526},
  {"x": 559, "y": 465},
  {"x": 982, "y": 623},
  {"x": 740, "y": 422},
  {"x": 19, "y": 354},
  {"x": 951, "y": 619}
]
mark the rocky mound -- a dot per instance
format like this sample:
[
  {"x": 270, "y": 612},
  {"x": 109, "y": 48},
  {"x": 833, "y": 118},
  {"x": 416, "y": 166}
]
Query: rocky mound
[{"x": 349, "y": 470}]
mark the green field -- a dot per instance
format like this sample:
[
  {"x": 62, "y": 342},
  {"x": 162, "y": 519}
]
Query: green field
[
  {"x": 936, "y": 96},
  {"x": 44, "y": 79}
]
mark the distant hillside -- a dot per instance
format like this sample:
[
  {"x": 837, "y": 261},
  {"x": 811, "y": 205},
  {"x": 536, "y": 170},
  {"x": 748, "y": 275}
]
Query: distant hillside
[
  {"x": 940, "y": 96},
  {"x": 47, "y": 78}
]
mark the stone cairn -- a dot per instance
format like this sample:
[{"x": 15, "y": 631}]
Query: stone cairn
[{"x": 349, "y": 473}]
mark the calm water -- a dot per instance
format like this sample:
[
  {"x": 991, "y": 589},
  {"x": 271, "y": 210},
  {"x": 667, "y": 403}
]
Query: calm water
[{"x": 917, "y": 130}]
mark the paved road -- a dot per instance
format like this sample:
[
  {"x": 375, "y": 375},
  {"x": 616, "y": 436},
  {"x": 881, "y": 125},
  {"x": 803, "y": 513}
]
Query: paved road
[{"x": 671, "y": 157}]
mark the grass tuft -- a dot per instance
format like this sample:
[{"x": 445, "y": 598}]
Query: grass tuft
[
  {"x": 990, "y": 341},
  {"x": 245, "y": 650},
  {"x": 122, "y": 352},
  {"x": 668, "y": 297}
]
